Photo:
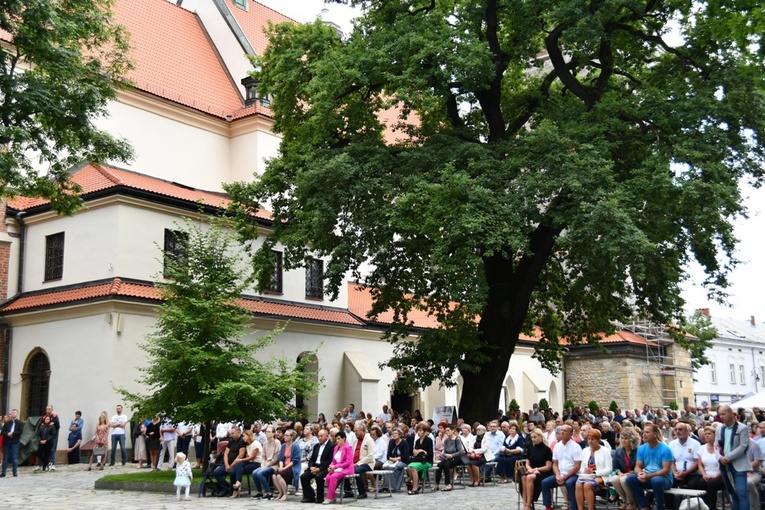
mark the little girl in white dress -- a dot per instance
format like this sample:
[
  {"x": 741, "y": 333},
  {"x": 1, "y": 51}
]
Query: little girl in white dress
[{"x": 183, "y": 475}]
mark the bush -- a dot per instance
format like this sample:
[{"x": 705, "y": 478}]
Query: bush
[
  {"x": 673, "y": 406},
  {"x": 543, "y": 405},
  {"x": 513, "y": 406},
  {"x": 568, "y": 403},
  {"x": 613, "y": 406},
  {"x": 593, "y": 406}
]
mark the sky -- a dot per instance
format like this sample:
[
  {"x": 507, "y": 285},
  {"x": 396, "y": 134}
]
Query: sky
[{"x": 747, "y": 281}]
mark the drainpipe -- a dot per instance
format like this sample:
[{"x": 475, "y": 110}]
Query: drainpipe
[
  {"x": 6, "y": 364},
  {"x": 22, "y": 249},
  {"x": 8, "y": 328},
  {"x": 755, "y": 375}
]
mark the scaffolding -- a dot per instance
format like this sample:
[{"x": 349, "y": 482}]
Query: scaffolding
[{"x": 661, "y": 368}]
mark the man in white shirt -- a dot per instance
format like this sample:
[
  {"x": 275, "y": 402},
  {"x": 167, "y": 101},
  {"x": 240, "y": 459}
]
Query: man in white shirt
[
  {"x": 184, "y": 431},
  {"x": 167, "y": 431},
  {"x": 685, "y": 450},
  {"x": 567, "y": 457},
  {"x": 385, "y": 415},
  {"x": 118, "y": 423}
]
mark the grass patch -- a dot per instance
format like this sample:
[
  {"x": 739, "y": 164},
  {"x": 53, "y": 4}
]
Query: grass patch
[{"x": 146, "y": 475}]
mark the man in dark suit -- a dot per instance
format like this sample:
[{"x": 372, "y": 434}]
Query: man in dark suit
[
  {"x": 320, "y": 459},
  {"x": 12, "y": 436},
  {"x": 733, "y": 440}
]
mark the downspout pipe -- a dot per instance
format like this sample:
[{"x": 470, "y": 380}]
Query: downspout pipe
[{"x": 8, "y": 329}]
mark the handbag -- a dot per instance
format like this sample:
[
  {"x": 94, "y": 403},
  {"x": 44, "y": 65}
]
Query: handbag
[
  {"x": 520, "y": 470},
  {"x": 99, "y": 450},
  {"x": 420, "y": 457},
  {"x": 475, "y": 456}
]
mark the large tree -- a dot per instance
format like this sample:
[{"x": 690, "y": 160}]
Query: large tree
[
  {"x": 555, "y": 164},
  {"x": 61, "y": 61},
  {"x": 199, "y": 369}
]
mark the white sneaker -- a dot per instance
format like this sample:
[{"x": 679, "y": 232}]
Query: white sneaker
[
  {"x": 52, "y": 467},
  {"x": 37, "y": 468}
]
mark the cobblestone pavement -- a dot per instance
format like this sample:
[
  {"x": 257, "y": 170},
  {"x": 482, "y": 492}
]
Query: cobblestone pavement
[{"x": 73, "y": 488}]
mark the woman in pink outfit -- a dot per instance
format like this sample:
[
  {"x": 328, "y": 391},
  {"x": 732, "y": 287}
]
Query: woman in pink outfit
[{"x": 342, "y": 465}]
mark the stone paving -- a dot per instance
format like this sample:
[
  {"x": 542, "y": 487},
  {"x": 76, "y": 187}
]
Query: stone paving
[{"x": 73, "y": 488}]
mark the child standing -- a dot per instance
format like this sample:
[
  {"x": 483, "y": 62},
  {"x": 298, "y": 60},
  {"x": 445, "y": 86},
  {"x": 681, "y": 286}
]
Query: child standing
[{"x": 183, "y": 475}]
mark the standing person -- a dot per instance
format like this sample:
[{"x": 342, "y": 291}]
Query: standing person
[
  {"x": 184, "y": 431},
  {"x": 101, "y": 436},
  {"x": 45, "y": 434},
  {"x": 168, "y": 433},
  {"x": 140, "y": 452},
  {"x": 733, "y": 441},
  {"x": 73, "y": 442},
  {"x": 153, "y": 440},
  {"x": 56, "y": 422},
  {"x": 183, "y": 476},
  {"x": 318, "y": 463},
  {"x": 77, "y": 421},
  {"x": 198, "y": 434},
  {"x": 653, "y": 468},
  {"x": 118, "y": 423},
  {"x": 12, "y": 429}
]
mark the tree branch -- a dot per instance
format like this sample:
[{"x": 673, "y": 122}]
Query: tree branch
[{"x": 562, "y": 69}]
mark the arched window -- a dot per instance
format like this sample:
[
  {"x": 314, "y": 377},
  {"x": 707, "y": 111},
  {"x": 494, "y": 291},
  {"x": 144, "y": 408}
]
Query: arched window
[{"x": 38, "y": 384}]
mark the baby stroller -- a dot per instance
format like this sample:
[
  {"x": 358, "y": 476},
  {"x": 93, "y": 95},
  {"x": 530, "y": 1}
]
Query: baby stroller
[{"x": 209, "y": 484}]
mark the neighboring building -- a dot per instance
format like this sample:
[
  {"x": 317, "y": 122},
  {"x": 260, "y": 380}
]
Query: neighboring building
[
  {"x": 641, "y": 365},
  {"x": 78, "y": 294},
  {"x": 737, "y": 363}
]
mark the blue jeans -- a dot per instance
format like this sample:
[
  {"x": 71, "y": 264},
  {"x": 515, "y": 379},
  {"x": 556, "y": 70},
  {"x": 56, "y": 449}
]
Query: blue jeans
[
  {"x": 259, "y": 476},
  {"x": 118, "y": 439},
  {"x": 549, "y": 483},
  {"x": 11, "y": 452},
  {"x": 658, "y": 484},
  {"x": 739, "y": 493},
  {"x": 220, "y": 475}
]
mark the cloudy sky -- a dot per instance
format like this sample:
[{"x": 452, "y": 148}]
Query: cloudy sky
[{"x": 747, "y": 281}]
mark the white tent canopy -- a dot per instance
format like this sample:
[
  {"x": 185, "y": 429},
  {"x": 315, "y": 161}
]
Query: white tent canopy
[{"x": 756, "y": 400}]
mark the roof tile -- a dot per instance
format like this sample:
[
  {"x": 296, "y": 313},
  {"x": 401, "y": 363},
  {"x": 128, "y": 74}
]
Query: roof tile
[{"x": 93, "y": 178}]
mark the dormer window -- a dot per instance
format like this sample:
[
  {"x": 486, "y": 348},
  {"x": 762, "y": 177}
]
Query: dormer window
[
  {"x": 242, "y": 4},
  {"x": 251, "y": 93}
]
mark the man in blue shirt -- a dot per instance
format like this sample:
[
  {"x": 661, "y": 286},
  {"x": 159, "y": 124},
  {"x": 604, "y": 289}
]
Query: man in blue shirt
[{"x": 653, "y": 469}]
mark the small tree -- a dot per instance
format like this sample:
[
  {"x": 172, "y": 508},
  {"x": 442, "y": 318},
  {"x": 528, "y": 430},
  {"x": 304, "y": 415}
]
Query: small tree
[
  {"x": 198, "y": 368},
  {"x": 514, "y": 406},
  {"x": 543, "y": 405},
  {"x": 613, "y": 406},
  {"x": 673, "y": 406},
  {"x": 568, "y": 403},
  {"x": 593, "y": 405}
]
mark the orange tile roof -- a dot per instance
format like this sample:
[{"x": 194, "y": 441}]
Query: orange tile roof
[
  {"x": 93, "y": 178},
  {"x": 173, "y": 57},
  {"x": 117, "y": 288},
  {"x": 360, "y": 303},
  {"x": 114, "y": 288},
  {"x": 254, "y": 19}
]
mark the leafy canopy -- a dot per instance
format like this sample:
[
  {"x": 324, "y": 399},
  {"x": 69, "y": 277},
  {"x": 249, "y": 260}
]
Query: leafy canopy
[
  {"x": 62, "y": 64},
  {"x": 549, "y": 163},
  {"x": 199, "y": 369}
]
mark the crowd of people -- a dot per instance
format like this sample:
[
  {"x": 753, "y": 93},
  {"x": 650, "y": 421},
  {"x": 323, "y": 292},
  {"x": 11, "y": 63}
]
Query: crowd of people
[{"x": 614, "y": 454}]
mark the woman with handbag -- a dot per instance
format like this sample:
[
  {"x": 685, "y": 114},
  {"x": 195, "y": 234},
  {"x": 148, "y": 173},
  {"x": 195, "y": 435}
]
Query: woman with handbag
[
  {"x": 596, "y": 465},
  {"x": 510, "y": 452},
  {"x": 454, "y": 455},
  {"x": 397, "y": 460},
  {"x": 101, "y": 438},
  {"x": 539, "y": 465},
  {"x": 478, "y": 454},
  {"x": 422, "y": 456}
]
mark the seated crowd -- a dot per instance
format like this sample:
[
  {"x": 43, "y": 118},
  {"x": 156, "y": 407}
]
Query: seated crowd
[{"x": 614, "y": 455}]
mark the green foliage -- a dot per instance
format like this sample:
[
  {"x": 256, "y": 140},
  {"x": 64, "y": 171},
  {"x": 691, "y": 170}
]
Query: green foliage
[
  {"x": 593, "y": 405},
  {"x": 568, "y": 403},
  {"x": 673, "y": 406},
  {"x": 702, "y": 332},
  {"x": 546, "y": 165},
  {"x": 64, "y": 62},
  {"x": 513, "y": 406},
  {"x": 198, "y": 369},
  {"x": 543, "y": 405},
  {"x": 613, "y": 406}
]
